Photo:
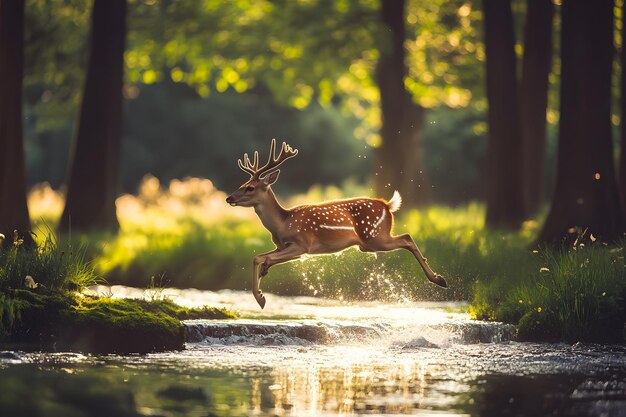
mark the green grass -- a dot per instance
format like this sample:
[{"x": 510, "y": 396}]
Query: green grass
[
  {"x": 188, "y": 237},
  {"x": 42, "y": 306},
  {"x": 575, "y": 294},
  {"x": 47, "y": 265}
]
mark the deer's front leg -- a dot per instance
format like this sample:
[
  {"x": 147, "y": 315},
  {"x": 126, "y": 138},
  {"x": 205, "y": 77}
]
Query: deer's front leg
[{"x": 265, "y": 261}]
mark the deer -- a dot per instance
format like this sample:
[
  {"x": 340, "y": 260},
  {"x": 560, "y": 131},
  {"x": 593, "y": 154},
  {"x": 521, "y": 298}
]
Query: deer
[{"x": 314, "y": 229}]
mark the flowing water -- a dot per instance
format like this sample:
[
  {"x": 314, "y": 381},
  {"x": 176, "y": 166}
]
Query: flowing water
[{"x": 305, "y": 356}]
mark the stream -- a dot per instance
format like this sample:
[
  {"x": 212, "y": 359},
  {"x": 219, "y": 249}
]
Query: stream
[{"x": 305, "y": 356}]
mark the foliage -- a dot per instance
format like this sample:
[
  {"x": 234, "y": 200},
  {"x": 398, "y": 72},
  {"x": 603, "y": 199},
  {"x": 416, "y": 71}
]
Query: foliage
[
  {"x": 445, "y": 59},
  {"x": 46, "y": 265},
  {"x": 170, "y": 132},
  {"x": 204, "y": 137},
  {"x": 55, "y": 44},
  {"x": 575, "y": 294},
  {"x": 299, "y": 52}
]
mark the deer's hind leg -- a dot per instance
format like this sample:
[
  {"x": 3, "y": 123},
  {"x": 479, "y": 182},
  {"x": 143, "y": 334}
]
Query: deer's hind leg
[{"x": 385, "y": 242}]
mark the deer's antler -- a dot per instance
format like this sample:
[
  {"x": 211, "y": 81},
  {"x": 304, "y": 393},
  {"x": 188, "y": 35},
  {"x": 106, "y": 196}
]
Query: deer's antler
[{"x": 273, "y": 162}]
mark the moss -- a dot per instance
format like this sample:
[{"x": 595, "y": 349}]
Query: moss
[
  {"x": 55, "y": 321},
  {"x": 184, "y": 313},
  {"x": 119, "y": 325}
]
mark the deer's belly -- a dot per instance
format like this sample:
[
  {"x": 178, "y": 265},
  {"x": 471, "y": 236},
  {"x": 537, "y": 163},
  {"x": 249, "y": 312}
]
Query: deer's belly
[{"x": 332, "y": 244}]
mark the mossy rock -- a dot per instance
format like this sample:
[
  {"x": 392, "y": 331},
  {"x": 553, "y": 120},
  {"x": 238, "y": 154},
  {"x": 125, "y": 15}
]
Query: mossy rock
[
  {"x": 98, "y": 325},
  {"x": 119, "y": 325}
]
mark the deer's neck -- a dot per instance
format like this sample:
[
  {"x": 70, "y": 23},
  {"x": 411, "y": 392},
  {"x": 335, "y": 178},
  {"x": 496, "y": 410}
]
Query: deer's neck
[{"x": 271, "y": 213}]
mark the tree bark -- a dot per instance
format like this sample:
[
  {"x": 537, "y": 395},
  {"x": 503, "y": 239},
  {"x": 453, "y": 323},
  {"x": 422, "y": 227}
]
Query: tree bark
[
  {"x": 585, "y": 195},
  {"x": 534, "y": 99},
  {"x": 505, "y": 203},
  {"x": 622, "y": 158},
  {"x": 13, "y": 207},
  {"x": 398, "y": 165},
  {"x": 93, "y": 175}
]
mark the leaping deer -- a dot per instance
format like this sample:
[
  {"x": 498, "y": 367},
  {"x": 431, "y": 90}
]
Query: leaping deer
[{"x": 327, "y": 227}]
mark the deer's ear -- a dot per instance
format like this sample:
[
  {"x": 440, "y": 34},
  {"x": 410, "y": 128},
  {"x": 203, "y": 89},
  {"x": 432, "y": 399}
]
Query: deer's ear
[{"x": 270, "y": 178}]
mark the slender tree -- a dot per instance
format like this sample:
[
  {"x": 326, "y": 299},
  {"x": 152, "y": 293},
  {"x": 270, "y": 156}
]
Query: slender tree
[
  {"x": 534, "y": 99},
  {"x": 505, "y": 205},
  {"x": 13, "y": 208},
  {"x": 398, "y": 165},
  {"x": 585, "y": 195},
  {"x": 93, "y": 174}
]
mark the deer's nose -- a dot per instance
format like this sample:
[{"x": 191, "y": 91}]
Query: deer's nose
[{"x": 230, "y": 200}]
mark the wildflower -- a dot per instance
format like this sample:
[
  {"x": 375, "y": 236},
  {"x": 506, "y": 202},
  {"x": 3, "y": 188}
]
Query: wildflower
[
  {"x": 544, "y": 269},
  {"x": 538, "y": 309},
  {"x": 29, "y": 282}
]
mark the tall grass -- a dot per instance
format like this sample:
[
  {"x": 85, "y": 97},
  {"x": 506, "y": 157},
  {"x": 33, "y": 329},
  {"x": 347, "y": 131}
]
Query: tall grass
[
  {"x": 46, "y": 266},
  {"x": 579, "y": 292}
]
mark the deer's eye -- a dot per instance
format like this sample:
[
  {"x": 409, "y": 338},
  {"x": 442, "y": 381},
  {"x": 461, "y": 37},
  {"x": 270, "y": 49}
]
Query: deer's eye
[{"x": 249, "y": 188}]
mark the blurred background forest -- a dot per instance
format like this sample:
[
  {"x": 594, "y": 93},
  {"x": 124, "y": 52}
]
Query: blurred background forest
[
  {"x": 206, "y": 81},
  {"x": 497, "y": 120}
]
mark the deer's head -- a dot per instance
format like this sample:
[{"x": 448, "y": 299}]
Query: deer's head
[{"x": 254, "y": 190}]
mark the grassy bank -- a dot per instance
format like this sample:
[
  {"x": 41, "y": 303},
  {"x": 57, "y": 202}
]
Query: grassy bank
[
  {"x": 42, "y": 307},
  {"x": 576, "y": 294},
  {"x": 184, "y": 235}
]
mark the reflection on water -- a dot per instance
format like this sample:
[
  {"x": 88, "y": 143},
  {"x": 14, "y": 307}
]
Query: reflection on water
[{"x": 380, "y": 360}]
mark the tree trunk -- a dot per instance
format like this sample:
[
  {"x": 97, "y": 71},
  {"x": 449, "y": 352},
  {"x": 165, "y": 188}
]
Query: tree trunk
[
  {"x": 622, "y": 159},
  {"x": 585, "y": 195},
  {"x": 13, "y": 208},
  {"x": 505, "y": 203},
  {"x": 398, "y": 165},
  {"x": 534, "y": 99},
  {"x": 94, "y": 164}
]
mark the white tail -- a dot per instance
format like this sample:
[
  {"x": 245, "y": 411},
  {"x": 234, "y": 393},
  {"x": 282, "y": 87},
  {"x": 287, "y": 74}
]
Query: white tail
[
  {"x": 326, "y": 227},
  {"x": 395, "y": 202}
]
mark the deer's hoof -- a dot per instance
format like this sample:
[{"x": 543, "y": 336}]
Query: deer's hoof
[
  {"x": 439, "y": 280},
  {"x": 260, "y": 298}
]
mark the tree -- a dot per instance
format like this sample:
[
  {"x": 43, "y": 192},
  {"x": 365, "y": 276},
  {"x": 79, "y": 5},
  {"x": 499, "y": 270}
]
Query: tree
[
  {"x": 505, "y": 205},
  {"x": 398, "y": 163},
  {"x": 536, "y": 65},
  {"x": 622, "y": 159},
  {"x": 13, "y": 208},
  {"x": 93, "y": 174},
  {"x": 585, "y": 195}
]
